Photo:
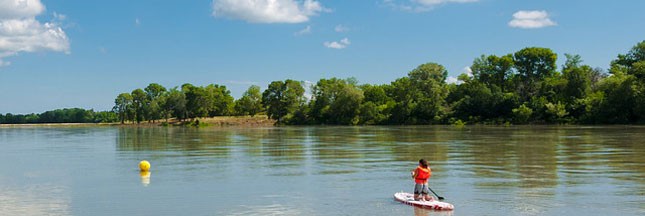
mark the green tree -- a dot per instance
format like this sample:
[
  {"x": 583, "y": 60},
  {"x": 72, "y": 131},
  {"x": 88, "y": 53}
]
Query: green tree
[
  {"x": 533, "y": 64},
  {"x": 220, "y": 101},
  {"x": 198, "y": 102},
  {"x": 282, "y": 99},
  {"x": 155, "y": 99},
  {"x": 175, "y": 104},
  {"x": 420, "y": 97},
  {"x": 105, "y": 117},
  {"x": 122, "y": 105},
  {"x": 250, "y": 103},
  {"x": 336, "y": 101},
  {"x": 139, "y": 101},
  {"x": 556, "y": 112},
  {"x": 636, "y": 54},
  {"x": 493, "y": 70},
  {"x": 476, "y": 102},
  {"x": 619, "y": 99},
  {"x": 376, "y": 105},
  {"x": 624, "y": 91},
  {"x": 522, "y": 114},
  {"x": 578, "y": 81},
  {"x": 403, "y": 94}
]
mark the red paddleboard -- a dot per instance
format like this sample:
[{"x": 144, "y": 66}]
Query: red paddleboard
[{"x": 408, "y": 198}]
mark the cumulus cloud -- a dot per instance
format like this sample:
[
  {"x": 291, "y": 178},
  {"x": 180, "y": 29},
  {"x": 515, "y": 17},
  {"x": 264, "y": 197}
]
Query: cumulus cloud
[
  {"x": 456, "y": 80},
  {"x": 15, "y": 9},
  {"x": 21, "y": 32},
  {"x": 453, "y": 80},
  {"x": 531, "y": 20},
  {"x": 268, "y": 11},
  {"x": 420, "y": 5},
  {"x": 306, "y": 30},
  {"x": 342, "y": 44},
  {"x": 308, "y": 85},
  {"x": 468, "y": 71}
]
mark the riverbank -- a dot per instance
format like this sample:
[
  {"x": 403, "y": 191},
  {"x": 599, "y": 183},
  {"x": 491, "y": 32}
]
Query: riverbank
[{"x": 220, "y": 121}]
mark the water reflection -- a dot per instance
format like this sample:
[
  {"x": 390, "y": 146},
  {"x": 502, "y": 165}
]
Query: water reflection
[
  {"x": 535, "y": 156},
  {"x": 429, "y": 212},
  {"x": 145, "y": 178},
  {"x": 523, "y": 170}
]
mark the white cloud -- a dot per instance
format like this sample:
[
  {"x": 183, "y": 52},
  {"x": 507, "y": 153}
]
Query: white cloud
[
  {"x": 341, "y": 28},
  {"x": 420, "y": 5},
  {"x": 308, "y": 85},
  {"x": 453, "y": 80},
  {"x": 342, "y": 44},
  {"x": 137, "y": 21},
  {"x": 16, "y": 9},
  {"x": 21, "y": 32},
  {"x": 531, "y": 20},
  {"x": 468, "y": 71},
  {"x": 268, "y": 11},
  {"x": 306, "y": 30},
  {"x": 60, "y": 17}
]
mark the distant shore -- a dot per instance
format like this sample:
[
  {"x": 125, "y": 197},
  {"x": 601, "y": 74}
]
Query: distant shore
[{"x": 220, "y": 121}]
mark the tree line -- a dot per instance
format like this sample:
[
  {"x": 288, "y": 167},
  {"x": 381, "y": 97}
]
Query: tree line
[
  {"x": 521, "y": 88},
  {"x": 72, "y": 115}
]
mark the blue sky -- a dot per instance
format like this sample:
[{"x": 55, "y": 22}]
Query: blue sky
[{"x": 75, "y": 53}]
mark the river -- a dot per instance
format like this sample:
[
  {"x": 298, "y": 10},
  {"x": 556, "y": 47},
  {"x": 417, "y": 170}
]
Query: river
[{"x": 482, "y": 170}]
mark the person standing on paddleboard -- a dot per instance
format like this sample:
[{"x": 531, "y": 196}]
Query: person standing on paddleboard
[{"x": 421, "y": 175}]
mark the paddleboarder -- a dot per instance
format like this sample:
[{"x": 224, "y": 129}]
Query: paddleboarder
[{"x": 421, "y": 175}]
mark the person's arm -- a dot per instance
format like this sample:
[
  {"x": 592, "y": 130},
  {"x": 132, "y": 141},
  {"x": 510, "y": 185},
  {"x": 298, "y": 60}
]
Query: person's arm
[{"x": 414, "y": 173}]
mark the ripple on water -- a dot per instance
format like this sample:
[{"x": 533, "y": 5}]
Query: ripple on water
[
  {"x": 272, "y": 209},
  {"x": 34, "y": 200}
]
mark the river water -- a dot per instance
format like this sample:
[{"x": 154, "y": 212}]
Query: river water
[{"x": 519, "y": 170}]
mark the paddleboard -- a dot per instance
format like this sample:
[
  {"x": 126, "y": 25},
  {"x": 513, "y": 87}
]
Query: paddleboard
[{"x": 408, "y": 198}]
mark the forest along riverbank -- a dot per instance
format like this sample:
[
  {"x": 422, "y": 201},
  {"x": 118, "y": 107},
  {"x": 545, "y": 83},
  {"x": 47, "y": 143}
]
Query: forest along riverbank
[{"x": 232, "y": 121}]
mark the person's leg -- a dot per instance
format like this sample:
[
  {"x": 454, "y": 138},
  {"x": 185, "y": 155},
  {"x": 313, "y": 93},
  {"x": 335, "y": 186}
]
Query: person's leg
[
  {"x": 426, "y": 193},
  {"x": 417, "y": 191},
  {"x": 428, "y": 197}
]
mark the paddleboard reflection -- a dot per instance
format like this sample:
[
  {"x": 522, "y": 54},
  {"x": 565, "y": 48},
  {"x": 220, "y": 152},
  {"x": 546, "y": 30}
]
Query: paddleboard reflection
[{"x": 429, "y": 212}]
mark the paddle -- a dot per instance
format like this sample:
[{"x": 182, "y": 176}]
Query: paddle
[{"x": 440, "y": 197}]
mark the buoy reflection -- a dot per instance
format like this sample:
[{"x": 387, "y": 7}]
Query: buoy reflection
[{"x": 145, "y": 178}]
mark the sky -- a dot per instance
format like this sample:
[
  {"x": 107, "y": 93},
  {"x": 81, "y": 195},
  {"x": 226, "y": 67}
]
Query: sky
[{"x": 78, "y": 53}]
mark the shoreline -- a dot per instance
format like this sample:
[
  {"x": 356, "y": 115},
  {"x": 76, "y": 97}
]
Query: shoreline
[{"x": 220, "y": 121}]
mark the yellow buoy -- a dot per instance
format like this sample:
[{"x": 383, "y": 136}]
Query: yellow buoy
[{"x": 144, "y": 165}]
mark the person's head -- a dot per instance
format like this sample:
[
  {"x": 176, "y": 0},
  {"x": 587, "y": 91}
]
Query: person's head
[{"x": 423, "y": 163}]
